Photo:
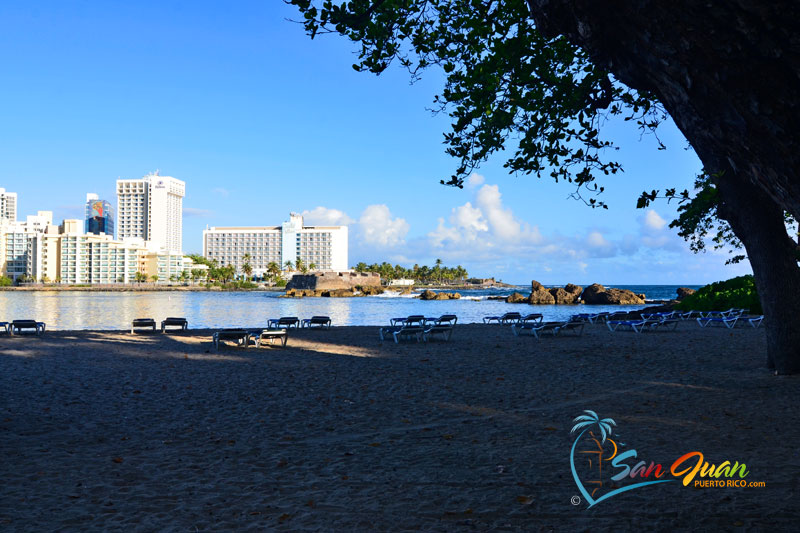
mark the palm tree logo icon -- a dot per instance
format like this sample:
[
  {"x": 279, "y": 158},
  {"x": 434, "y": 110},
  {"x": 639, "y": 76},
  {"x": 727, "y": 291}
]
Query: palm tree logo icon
[{"x": 595, "y": 454}]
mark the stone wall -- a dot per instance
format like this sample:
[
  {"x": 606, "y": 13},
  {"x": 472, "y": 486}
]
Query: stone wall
[{"x": 334, "y": 280}]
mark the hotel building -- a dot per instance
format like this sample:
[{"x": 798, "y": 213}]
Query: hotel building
[
  {"x": 323, "y": 246},
  {"x": 8, "y": 205},
  {"x": 44, "y": 252},
  {"x": 99, "y": 216},
  {"x": 151, "y": 209}
]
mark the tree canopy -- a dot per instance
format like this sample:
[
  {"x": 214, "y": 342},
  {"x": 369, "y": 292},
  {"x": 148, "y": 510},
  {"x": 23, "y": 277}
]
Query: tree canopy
[{"x": 539, "y": 78}]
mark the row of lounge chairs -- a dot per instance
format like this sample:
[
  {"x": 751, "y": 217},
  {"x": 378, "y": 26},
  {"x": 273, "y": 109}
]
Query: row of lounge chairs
[
  {"x": 419, "y": 327},
  {"x": 19, "y": 326},
  {"x": 149, "y": 323}
]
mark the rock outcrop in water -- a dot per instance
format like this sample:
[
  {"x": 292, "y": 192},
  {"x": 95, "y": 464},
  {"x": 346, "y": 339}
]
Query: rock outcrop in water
[
  {"x": 597, "y": 294},
  {"x": 430, "y": 295}
]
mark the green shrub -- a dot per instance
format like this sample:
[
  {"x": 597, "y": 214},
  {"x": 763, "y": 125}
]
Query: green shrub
[
  {"x": 280, "y": 282},
  {"x": 5, "y": 281},
  {"x": 737, "y": 293}
]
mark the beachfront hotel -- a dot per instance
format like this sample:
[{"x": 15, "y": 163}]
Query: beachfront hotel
[
  {"x": 39, "y": 250},
  {"x": 8, "y": 205},
  {"x": 323, "y": 246},
  {"x": 151, "y": 209},
  {"x": 86, "y": 252}
]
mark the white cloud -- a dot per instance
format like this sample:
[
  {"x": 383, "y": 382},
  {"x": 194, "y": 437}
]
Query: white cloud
[
  {"x": 653, "y": 220},
  {"x": 378, "y": 228},
  {"x": 486, "y": 225},
  {"x": 323, "y": 216},
  {"x": 474, "y": 180},
  {"x": 221, "y": 191}
]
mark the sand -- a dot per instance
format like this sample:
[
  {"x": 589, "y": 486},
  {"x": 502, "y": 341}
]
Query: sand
[{"x": 104, "y": 431}]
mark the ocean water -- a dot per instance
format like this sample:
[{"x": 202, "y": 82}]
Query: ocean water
[{"x": 116, "y": 310}]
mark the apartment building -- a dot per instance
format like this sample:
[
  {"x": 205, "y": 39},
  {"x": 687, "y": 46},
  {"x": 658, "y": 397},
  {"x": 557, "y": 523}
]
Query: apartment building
[
  {"x": 151, "y": 209},
  {"x": 323, "y": 246}
]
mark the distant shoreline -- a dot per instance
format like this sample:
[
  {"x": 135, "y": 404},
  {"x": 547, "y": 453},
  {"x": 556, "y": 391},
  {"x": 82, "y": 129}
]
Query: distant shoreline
[{"x": 133, "y": 288}]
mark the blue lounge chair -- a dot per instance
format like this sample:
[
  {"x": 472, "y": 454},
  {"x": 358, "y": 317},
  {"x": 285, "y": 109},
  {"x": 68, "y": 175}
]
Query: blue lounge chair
[
  {"x": 507, "y": 318},
  {"x": 318, "y": 321},
  {"x": 283, "y": 322},
  {"x": 18, "y": 326},
  {"x": 727, "y": 321}
]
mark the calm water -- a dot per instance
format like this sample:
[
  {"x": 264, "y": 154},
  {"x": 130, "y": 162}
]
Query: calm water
[{"x": 115, "y": 310}]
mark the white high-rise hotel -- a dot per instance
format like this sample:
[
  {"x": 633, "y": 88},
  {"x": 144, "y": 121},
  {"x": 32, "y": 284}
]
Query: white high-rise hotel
[
  {"x": 323, "y": 246},
  {"x": 8, "y": 205},
  {"x": 151, "y": 209}
]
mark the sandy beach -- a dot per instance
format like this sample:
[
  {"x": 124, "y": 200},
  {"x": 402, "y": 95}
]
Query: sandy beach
[{"x": 108, "y": 431}]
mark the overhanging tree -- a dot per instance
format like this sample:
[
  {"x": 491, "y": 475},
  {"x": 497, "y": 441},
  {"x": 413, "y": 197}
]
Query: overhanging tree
[{"x": 540, "y": 77}]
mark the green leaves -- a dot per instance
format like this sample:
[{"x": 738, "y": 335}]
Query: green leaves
[{"x": 506, "y": 85}]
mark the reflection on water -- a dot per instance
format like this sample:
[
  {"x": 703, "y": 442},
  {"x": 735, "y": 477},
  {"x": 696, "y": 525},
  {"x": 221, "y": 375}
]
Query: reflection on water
[{"x": 116, "y": 310}]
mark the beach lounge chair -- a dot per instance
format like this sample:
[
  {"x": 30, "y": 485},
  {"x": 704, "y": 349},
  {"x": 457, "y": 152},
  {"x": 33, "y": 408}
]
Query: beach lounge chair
[
  {"x": 4, "y": 326},
  {"x": 442, "y": 326},
  {"x": 172, "y": 321},
  {"x": 727, "y": 321},
  {"x": 590, "y": 317},
  {"x": 143, "y": 323},
  {"x": 536, "y": 328},
  {"x": 241, "y": 336},
  {"x": 658, "y": 316},
  {"x": 664, "y": 324},
  {"x": 319, "y": 321},
  {"x": 507, "y": 318},
  {"x": 444, "y": 319},
  {"x": 409, "y": 330},
  {"x": 411, "y": 319},
  {"x": 533, "y": 318},
  {"x": 269, "y": 335},
  {"x": 636, "y": 326},
  {"x": 17, "y": 326},
  {"x": 754, "y": 321},
  {"x": 575, "y": 327},
  {"x": 283, "y": 322},
  {"x": 689, "y": 315}
]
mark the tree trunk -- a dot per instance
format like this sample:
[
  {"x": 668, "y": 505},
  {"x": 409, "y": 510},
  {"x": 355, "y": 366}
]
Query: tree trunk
[
  {"x": 728, "y": 73},
  {"x": 759, "y": 224}
]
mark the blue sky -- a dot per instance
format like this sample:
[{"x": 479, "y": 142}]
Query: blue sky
[{"x": 259, "y": 121}]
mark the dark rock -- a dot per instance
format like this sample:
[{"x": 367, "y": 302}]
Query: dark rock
[
  {"x": 540, "y": 295},
  {"x": 574, "y": 289},
  {"x": 430, "y": 295},
  {"x": 337, "y": 293},
  {"x": 597, "y": 294},
  {"x": 683, "y": 292},
  {"x": 562, "y": 296},
  {"x": 516, "y": 298},
  {"x": 369, "y": 290}
]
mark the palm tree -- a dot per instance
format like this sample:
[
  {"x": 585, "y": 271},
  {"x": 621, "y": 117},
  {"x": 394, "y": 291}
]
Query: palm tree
[
  {"x": 140, "y": 277},
  {"x": 312, "y": 266},
  {"x": 300, "y": 265},
  {"x": 584, "y": 423},
  {"x": 288, "y": 265},
  {"x": 247, "y": 269},
  {"x": 154, "y": 278}
]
